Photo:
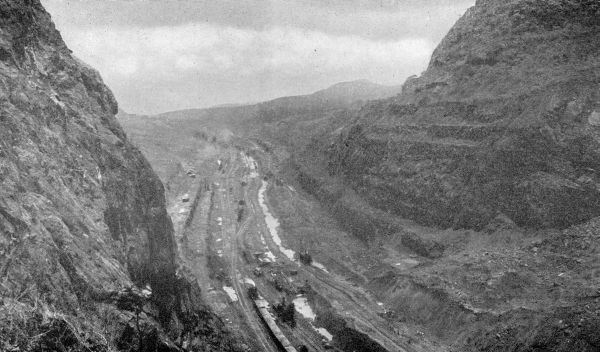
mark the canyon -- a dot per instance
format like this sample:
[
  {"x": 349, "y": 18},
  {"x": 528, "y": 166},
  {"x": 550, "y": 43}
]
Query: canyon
[{"x": 457, "y": 212}]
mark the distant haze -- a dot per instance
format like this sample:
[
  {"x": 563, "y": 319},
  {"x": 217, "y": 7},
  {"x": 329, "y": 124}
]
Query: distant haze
[{"x": 164, "y": 55}]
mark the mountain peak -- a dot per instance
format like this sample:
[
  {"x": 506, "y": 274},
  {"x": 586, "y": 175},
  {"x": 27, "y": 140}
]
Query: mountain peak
[{"x": 361, "y": 89}]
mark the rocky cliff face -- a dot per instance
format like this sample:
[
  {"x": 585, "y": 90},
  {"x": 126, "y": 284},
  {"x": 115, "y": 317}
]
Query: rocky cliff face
[
  {"x": 83, "y": 225},
  {"x": 505, "y": 122}
]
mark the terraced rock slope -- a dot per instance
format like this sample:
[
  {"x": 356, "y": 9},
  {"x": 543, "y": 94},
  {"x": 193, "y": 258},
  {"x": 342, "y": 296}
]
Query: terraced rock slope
[{"x": 504, "y": 123}]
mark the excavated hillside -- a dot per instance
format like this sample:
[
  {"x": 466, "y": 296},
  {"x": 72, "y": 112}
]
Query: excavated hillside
[
  {"x": 503, "y": 126},
  {"x": 87, "y": 255},
  {"x": 475, "y": 191}
]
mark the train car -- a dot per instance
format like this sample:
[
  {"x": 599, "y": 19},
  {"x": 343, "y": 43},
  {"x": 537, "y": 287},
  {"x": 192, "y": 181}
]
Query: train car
[{"x": 263, "y": 309}]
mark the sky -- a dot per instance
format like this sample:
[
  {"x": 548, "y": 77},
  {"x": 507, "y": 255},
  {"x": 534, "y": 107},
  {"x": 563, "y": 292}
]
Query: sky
[{"x": 165, "y": 55}]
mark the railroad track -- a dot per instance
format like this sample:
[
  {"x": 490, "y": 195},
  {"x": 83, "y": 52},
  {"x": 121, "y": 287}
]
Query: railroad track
[
  {"x": 364, "y": 314},
  {"x": 307, "y": 338},
  {"x": 366, "y": 319},
  {"x": 265, "y": 341},
  {"x": 248, "y": 312}
]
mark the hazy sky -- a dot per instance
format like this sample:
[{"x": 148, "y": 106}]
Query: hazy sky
[{"x": 162, "y": 55}]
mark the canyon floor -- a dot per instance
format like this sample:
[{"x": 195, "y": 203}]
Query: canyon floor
[
  {"x": 242, "y": 219},
  {"x": 228, "y": 256}
]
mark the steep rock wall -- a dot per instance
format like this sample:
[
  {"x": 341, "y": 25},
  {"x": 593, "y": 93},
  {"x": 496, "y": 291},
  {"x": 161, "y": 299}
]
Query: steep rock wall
[
  {"x": 504, "y": 121},
  {"x": 83, "y": 224}
]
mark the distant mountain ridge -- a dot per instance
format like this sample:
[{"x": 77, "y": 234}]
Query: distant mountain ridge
[
  {"x": 340, "y": 95},
  {"x": 362, "y": 89},
  {"x": 288, "y": 119}
]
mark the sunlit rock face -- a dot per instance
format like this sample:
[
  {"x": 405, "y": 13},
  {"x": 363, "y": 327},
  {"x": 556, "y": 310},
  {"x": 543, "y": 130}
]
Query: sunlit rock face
[
  {"x": 82, "y": 214},
  {"x": 503, "y": 122}
]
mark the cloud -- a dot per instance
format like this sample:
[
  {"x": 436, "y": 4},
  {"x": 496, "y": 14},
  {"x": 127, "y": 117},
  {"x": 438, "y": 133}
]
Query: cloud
[
  {"x": 205, "y": 51},
  {"x": 166, "y": 55},
  {"x": 367, "y": 18}
]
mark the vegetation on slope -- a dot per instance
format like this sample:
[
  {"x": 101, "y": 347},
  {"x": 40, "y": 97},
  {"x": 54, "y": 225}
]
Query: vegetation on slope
[{"x": 87, "y": 251}]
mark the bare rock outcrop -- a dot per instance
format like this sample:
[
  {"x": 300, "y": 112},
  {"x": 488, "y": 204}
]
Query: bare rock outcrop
[
  {"x": 504, "y": 121},
  {"x": 82, "y": 214}
]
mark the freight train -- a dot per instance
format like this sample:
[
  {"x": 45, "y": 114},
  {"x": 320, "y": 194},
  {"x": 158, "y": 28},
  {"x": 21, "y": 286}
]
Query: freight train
[{"x": 262, "y": 306}]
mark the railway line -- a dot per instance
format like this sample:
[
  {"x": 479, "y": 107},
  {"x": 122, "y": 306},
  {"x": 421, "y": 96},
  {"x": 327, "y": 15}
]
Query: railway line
[
  {"x": 303, "y": 334},
  {"x": 225, "y": 203},
  {"x": 262, "y": 306},
  {"x": 362, "y": 313},
  {"x": 300, "y": 334},
  {"x": 366, "y": 318},
  {"x": 269, "y": 337}
]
